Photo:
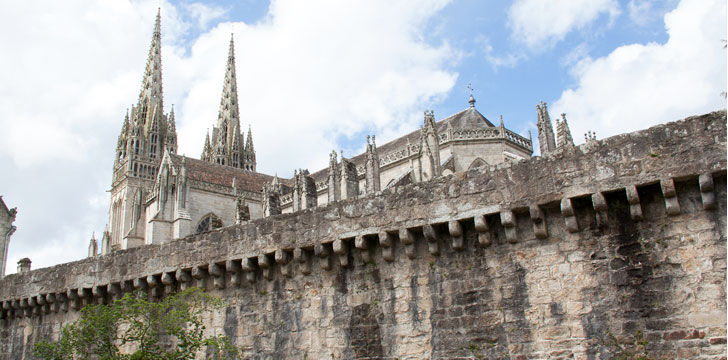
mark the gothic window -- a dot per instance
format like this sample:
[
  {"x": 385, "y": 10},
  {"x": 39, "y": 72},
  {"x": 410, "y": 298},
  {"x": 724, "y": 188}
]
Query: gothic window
[
  {"x": 136, "y": 147},
  {"x": 153, "y": 147},
  {"x": 209, "y": 222},
  {"x": 144, "y": 111}
]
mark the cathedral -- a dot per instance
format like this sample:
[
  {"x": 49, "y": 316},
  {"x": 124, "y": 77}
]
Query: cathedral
[{"x": 158, "y": 195}]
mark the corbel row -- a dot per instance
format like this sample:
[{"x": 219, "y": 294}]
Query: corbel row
[{"x": 337, "y": 252}]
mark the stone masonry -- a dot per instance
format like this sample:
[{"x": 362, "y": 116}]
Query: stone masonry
[{"x": 569, "y": 255}]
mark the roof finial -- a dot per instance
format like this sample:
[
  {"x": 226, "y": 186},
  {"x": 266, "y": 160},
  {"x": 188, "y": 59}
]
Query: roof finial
[{"x": 471, "y": 101}]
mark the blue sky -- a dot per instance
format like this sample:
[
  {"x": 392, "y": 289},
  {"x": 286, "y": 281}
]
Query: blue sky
[{"x": 318, "y": 75}]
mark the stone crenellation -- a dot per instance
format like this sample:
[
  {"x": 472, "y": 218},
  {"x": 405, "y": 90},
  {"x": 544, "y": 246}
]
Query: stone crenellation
[{"x": 572, "y": 254}]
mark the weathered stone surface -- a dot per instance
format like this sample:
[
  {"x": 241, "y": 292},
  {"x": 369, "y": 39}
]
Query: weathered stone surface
[{"x": 560, "y": 296}]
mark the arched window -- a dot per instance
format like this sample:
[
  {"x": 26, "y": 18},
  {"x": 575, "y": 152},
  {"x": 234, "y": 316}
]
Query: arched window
[{"x": 209, "y": 222}]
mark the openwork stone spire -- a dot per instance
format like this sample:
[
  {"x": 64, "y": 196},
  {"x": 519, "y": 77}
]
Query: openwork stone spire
[
  {"x": 226, "y": 144},
  {"x": 151, "y": 90},
  {"x": 228, "y": 118}
]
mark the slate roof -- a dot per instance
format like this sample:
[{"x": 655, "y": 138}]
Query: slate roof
[{"x": 222, "y": 175}]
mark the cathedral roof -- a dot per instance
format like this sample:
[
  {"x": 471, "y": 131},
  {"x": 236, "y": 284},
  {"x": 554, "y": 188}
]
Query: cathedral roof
[
  {"x": 222, "y": 175},
  {"x": 469, "y": 118}
]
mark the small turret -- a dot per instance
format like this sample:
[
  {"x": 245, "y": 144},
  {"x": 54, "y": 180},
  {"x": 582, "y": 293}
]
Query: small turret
[
  {"x": 563, "y": 133},
  {"x": 249, "y": 152},
  {"x": 93, "y": 246},
  {"x": 372, "y": 166},
  {"x": 429, "y": 157},
  {"x": 546, "y": 140},
  {"x": 24, "y": 266},
  {"x": 207, "y": 149},
  {"x": 171, "y": 138}
]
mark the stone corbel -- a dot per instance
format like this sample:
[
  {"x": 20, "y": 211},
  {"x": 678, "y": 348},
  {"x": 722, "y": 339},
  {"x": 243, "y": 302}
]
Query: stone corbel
[
  {"x": 706, "y": 191},
  {"x": 322, "y": 252},
  {"x": 73, "y": 299},
  {"x": 183, "y": 278},
  {"x": 250, "y": 267},
  {"x": 218, "y": 275},
  {"x": 672, "y": 207},
  {"x": 407, "y": 237},
  {"x": 567, "y": 211},
  {"x": 234, "y": 268},
  {"x": 600, "y": 209},
  {"x": 303, "y": 258},
  {"x": 168, "y": 280},
  {"x": 62, "y": 301},
  {"x": 33, "y": 306},
  {"x": 431, "y": 236},
  {"x": 633, "y": 198},
  {"x": 341, "y": 248},
  {"x": 115, "y": 291},
  {"x": 539, "y": 221},
  {"x": 481, "y": 227},
  {"x": 43, "y": 306},
  {"x": 361, "y": 243},
  {"x": 25, "y": 307},
  {"x": 456, "y": 232},
  {"x": 385, "y": 242},
  {"x": 155, "y": 286},
  {"x": 140, "y": 284},
  {"x": 200, "y": 276},
  {"x": 266, "y": 264},
  {"x": 508, "y": 220},
  {"x": 50, "y": 300},
  {"x": 7, "y": 308},
  {"x": 17, "y": 311},
  {"x": 86, "y": 295},
  {"x": 282, "y": 259},
  {"x": 98, "y": 293}
]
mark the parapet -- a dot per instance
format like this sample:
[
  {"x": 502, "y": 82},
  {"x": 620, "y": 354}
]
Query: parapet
[{"x": 497, "y": 204}]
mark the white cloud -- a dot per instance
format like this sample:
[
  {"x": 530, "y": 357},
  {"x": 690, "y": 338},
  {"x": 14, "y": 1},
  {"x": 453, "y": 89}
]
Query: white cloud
[
  {"x": 638, "y": 85},
  {"x": 541, "y": 23},
  {"x": 310, "y": 74},
  {"x": 314, "y": 73},
  {"x": 640, "y": 11}
]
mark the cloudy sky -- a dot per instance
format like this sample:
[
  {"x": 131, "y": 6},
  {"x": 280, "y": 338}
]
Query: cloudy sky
[{"x": 318, "y": 75}]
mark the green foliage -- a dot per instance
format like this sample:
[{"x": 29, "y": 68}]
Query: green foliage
[
  {"x": 133, "y": 328},
  {"x": 634, "y": 350}
]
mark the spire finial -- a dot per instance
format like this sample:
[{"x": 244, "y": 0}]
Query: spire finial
[
  {"x": 151, "y": 91},
  {"x": 471, "y": 101}
]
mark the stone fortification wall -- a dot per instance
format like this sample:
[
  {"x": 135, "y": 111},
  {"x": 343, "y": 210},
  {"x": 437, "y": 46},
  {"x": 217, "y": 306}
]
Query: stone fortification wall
[{"x": 564, "y": 255}]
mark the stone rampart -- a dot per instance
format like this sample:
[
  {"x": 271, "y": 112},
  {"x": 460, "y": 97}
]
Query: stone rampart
[{"x": 571, "y": 255}]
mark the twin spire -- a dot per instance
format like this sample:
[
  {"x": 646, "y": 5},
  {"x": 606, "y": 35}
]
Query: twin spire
[
  {"x": 227, "y": 146},
  {"x": 147, "y": 130}
]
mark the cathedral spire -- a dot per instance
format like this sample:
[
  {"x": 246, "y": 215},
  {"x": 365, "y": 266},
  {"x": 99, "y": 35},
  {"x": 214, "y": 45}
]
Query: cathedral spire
[
  {"x": 249, "y": 141},
  {"x": 207, "y": 148},
  {"x": 150, "y": 96},
  {"x": 226, "y": 135},
  {"x": 171, "y": 137}
]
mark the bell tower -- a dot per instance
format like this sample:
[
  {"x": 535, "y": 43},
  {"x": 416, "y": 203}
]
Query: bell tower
[{"x": 146, "y": 132}]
